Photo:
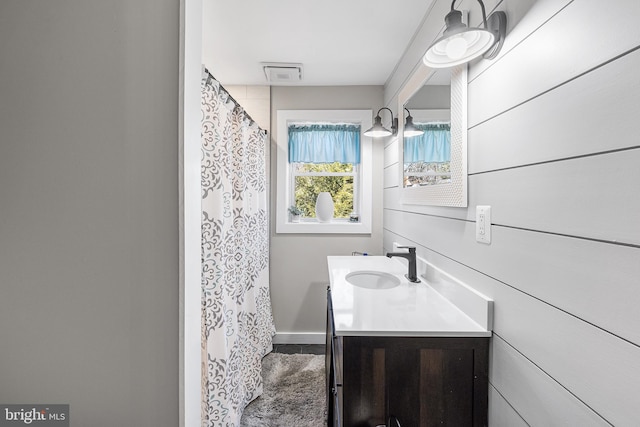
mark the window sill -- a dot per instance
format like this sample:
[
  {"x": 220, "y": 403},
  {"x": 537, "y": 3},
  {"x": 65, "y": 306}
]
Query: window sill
[{"x": 334, "y": 227}]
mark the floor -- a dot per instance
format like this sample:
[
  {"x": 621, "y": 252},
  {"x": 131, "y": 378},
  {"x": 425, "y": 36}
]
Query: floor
[{"x": 299, "y": 348}]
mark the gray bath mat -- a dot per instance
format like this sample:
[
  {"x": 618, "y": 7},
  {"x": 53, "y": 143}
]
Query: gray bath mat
[{"x": 294, "y": 393}]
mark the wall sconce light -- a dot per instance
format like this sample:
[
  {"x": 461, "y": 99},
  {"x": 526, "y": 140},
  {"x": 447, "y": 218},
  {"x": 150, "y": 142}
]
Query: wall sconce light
[
  {"x": 379, "y": 131},
  {"x": 460, "y": 44},
  {"x": 409, "y": 128}
]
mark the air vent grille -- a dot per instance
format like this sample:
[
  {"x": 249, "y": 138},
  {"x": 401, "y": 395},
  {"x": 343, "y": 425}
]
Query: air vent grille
[{"x": 282, "y": 73}]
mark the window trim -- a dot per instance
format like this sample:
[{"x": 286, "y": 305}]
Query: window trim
[{"x": 283, "y": 176}]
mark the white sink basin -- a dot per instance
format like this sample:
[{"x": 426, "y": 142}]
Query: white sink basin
[{"x": 372, "y": 279}]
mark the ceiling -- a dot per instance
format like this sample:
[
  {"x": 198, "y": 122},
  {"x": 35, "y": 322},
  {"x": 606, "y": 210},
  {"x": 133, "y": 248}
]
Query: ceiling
[{"x": 339, "y": 42}]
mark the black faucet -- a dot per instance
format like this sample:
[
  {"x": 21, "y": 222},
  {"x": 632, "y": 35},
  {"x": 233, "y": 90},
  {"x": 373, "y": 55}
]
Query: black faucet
[{"x": 412, "y": 275}]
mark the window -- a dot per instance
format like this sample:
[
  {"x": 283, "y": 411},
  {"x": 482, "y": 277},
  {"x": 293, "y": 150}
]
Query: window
[
  {"x": 324, "y": 157},
  {"x": 324, "y": 151}
]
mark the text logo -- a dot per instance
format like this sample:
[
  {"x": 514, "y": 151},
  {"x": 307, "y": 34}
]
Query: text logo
[{"x": 34, "y": 415}]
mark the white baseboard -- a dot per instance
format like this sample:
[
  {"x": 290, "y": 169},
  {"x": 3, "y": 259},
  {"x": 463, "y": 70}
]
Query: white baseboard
[{"x": 300, "y": 338}]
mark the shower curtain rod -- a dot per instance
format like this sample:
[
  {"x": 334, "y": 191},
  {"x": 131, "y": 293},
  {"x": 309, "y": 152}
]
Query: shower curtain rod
[{"x": 208, "y": 75}]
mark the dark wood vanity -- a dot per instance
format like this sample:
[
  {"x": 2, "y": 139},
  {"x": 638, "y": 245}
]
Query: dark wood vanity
[{"x": 422, "y": 381}]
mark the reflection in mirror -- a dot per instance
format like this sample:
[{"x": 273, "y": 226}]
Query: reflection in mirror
[
  {"x": 435, "y": 173},
  {"x": 427, "y": 157}
]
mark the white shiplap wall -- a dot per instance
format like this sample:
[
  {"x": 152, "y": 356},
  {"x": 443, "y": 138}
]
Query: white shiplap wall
[{"x": 553, "y": 147}]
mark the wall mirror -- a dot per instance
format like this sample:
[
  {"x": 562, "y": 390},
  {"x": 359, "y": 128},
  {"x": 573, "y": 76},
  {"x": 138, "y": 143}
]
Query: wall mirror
[{"x": 434, "y": 164}]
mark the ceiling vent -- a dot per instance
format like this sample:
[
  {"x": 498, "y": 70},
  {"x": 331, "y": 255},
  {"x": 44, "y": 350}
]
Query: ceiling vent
[{"x": 282, "y": 73}]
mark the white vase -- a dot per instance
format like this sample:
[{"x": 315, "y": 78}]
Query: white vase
[{"x": 324, "y": 207}]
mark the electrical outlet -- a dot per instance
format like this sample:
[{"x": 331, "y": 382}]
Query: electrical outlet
[{"x": 483, "y": 224}]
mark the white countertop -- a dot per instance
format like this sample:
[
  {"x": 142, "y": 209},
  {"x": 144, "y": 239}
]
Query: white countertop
[{"x": 410, "y": 309}]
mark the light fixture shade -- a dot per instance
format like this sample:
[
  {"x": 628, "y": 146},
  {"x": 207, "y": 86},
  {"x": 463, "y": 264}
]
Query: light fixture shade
[
  {"x": 456, "y": 49},
  {"x": 460, "y": 44},
  {"x": 377, "y": 130},
  {"x": 410, "y": 129}
]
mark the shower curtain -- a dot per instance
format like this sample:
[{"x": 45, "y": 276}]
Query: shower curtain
[{"x": 237, "y": 324}]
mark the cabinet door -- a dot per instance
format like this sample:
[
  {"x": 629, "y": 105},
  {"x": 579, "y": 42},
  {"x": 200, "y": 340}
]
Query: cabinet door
[
  {"x": 421, "y": 381},
  {"x": 329, "y": 356},
  {"x": 333, "y": 370},
  {"x": 329, "y": 370},
  {"x": 365, "y": 377},
  {"x": 445, "y": 381},
  {"x": 338, "y": 380}
]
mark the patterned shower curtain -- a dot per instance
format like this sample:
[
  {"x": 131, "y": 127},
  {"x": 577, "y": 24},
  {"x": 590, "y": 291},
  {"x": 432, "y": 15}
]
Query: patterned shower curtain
[{"x": 237, "y": 325}]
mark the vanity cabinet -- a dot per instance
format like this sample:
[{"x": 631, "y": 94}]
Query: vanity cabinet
[{"x": 421, "y": 380}]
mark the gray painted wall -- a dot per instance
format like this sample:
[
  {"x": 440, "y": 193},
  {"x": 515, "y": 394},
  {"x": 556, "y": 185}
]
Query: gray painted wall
[
  {"x": 299, "y": 275},
  {"x": 89, "y": 208},
  {"x": 553, "y": 148}
]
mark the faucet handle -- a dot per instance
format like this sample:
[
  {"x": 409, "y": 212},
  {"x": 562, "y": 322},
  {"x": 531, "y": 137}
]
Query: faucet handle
[{"x": 411, "y": 248}]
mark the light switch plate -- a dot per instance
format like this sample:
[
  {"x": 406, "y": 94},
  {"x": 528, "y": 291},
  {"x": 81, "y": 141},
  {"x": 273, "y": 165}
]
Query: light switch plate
[{"x": 483, "y": 224}]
